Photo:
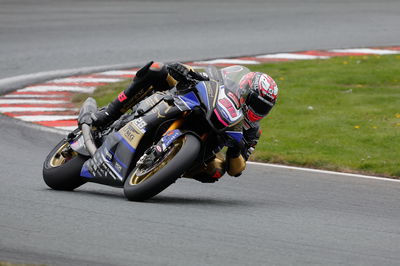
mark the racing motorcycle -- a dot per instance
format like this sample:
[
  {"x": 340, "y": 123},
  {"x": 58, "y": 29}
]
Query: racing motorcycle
[{"x": 163, "y": 138}]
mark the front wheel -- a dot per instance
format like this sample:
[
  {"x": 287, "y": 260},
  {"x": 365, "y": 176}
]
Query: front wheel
[
  {"x": 62, "y": 168},
  {"x": 146, "y": 182}
]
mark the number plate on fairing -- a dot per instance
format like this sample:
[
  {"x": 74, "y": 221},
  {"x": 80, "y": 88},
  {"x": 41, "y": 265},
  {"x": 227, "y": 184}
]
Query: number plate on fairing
[{"x": 227, "y": 109}]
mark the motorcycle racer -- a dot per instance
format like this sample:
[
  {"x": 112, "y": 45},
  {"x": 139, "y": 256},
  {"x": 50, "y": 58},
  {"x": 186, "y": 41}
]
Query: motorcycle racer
[{"x": 260, "y": 96}]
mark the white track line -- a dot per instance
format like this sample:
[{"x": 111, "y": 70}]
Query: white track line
[
  {"x": 28, "y": 96},
  {"x": 37, "y": 118},
  {"x": 228, "y": 61},
  {"x": 323, "y": 171},
  {"x": 81, "y": 80},
  {"x": 365, "y": 51},
  {"x": 58, "y": 88},
  {"x": 31, "y": 101},
  {"x": 34, "y": 109},
  {"x": 292, "y": 56},
  {"x": 116, "y": 73}
]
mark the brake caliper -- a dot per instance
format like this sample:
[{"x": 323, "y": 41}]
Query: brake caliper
[{"x": 157, "y": 152}]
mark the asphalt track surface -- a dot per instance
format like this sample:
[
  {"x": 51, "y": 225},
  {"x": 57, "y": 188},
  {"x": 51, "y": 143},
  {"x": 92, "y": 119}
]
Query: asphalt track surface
[{"x": 268, "y": 216}]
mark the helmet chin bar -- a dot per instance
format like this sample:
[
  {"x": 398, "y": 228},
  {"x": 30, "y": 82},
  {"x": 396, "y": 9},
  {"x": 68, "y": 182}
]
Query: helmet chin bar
[{"x": 253, "y": 117}]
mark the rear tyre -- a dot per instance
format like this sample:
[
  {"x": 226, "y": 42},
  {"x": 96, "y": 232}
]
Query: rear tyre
[
  {"x": 62, "y": 168},
  {"x": 143, "y": 184}
]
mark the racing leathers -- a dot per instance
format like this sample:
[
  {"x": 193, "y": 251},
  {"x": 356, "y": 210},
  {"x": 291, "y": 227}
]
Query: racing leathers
[{"x": 157, "y": 77}]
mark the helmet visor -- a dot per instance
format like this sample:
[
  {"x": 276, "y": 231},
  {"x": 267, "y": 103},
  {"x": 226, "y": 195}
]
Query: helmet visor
[{"x": 258, "y": 104}]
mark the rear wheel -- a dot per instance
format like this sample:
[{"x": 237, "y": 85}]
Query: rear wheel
[
  {"x": 148, "y": 179},
  {"x": 62, "y": 168}
]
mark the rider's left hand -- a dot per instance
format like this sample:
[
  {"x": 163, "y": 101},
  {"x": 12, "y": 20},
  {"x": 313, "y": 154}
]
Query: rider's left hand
[
  {"x": 182, "y": 73},
  {"x": 178, "y": 71}
]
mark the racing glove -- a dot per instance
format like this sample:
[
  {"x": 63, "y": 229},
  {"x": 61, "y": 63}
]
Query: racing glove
[
  {"x": 180, "y": 73},
  {"x": 251, "y": 137}
]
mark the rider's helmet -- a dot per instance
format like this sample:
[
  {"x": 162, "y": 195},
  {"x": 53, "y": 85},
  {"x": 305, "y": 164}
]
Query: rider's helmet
[{"x": 262, "y": 95}]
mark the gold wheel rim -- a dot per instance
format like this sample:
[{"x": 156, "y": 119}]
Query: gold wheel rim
[
  {"x": 58, "y": 159},
  {"x": 134, "y": 179}
]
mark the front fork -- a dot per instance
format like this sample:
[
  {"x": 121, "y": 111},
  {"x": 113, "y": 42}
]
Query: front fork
[{"x": 157, "y": 151}]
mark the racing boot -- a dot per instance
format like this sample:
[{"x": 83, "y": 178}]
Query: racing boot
[
  {"x": 209, "y": 172},
  {"x": 152, "y": 77}
]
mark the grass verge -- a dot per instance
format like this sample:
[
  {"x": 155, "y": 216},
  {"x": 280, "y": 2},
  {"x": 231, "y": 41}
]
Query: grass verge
[{"x": 339, "y": 114}]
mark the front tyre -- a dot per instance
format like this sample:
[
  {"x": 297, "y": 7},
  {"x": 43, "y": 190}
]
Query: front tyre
[
  {"x": 62, "y": 167},
  {"x": 143, "y": 184}
]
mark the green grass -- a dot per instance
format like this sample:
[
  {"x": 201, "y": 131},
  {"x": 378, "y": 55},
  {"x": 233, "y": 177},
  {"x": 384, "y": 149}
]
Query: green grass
[
  {"x": 103, "y": 94},
  {"x": 339, "y": 114}
]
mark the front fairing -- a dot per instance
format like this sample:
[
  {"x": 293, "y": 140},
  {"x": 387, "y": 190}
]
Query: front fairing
[
  {"x": 224, "y": 98},
  {"x": 226, "y": 110}
]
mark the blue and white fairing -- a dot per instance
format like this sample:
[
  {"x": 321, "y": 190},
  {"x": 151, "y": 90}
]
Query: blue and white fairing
[
  {"x": 112, "y": 162},
  {"x": 224, "y": 101},
  {"x": 187, "y": 101},
  {"x": 223, "y": 105},
  {"x": 227, "y": 109}
]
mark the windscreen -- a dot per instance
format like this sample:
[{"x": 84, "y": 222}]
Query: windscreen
[{"x": 231, "y": 77}]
